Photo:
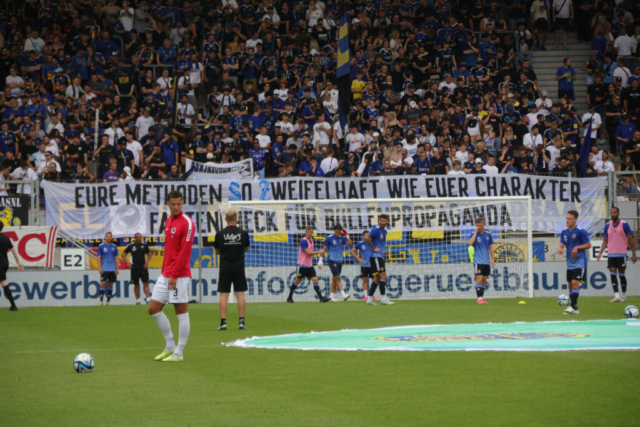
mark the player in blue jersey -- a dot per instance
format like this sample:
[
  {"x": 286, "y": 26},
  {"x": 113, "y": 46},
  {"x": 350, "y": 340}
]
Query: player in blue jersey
[
  {"x": 378, "y": 244},
  {"x": 365, "y": 253},
  {"x": 108, "y": 262},
  {"x": 577, "y": 242},
  {"x": 484, "y": 258},
  {"x": 334, "y": 245}
]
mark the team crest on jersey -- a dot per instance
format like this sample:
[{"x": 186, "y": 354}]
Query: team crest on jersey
[
  {"x": 487, "y": 237},
  {"x": 173, "y": 230},
  {"x": 573, "y": 236}
]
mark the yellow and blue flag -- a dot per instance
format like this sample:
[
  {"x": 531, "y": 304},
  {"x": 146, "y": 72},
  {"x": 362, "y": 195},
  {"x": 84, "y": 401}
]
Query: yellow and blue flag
[{"x": 343, "y": 73}]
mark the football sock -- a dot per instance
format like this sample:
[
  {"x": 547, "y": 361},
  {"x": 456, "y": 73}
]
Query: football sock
[
  {"x": 102, "y": 293},
  {"x": 317, "y": 289},
  {"x": 165, "y": 327},
  {"x": 184, "y": 327},
  {"x": 343, "y": 293},
  {"x": 575, "y": 293},
  {"x": 9, "y": 295},
  {"x": 623, "y": 283},
  {"x": 241, "y": 320},
  {"x": 292, "y": 290},
  {"x": 614, "y": 283},
  {"x": 383, "y": 287},
  {"x": 479, "y": 290},
  {"x": 223, "y": 322},
  {"x": 109, "y": 293},
  {"x": 372, "y": 289}
]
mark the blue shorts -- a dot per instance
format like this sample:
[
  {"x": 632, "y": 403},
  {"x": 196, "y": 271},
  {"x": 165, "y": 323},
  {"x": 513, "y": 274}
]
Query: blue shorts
[{"x": 336, "y": 268}]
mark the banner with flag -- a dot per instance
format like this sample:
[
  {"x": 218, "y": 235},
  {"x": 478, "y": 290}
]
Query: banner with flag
[
  {"x": 343, "y": 72},
  {"x": 583, "y": 161}
]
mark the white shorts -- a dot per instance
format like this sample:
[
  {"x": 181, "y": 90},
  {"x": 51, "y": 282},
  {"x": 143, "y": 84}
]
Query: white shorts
[{"x": 179, "y": 295}]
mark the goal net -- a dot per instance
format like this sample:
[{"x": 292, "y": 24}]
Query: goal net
[{"x": 427, "y": 254}]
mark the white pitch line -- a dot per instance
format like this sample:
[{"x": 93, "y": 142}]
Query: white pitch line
[{"x": 97, "y": 349}]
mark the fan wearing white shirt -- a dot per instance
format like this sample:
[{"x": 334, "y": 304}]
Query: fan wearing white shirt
[
  {"x": 135, "y": 147},
  {"x": 284, "y": 125},
  {"x": 165, "y": 82},
  {"x": 462, "y": 154},
  {"x": 263, "y": 138},
  {"x": 4, "y": 174},
  {"x": 456, "y": 169},
  {"x": 490, "y": 167},
  {"x": 596, "y": 122},
  {"x": 321, "y": 132},
  {"x": 24, "y": 173},
  {"x": 532, "y": 140},
  {"x": 356, "y": 140},
  {"x": 333, "y": 93},
  {"x": 604, "y": 166},
  {"x": 543, "y": 103},
  {"x": 34, "y": 43},
  {"x": 624, "y": 44},
  {"x": 126, "y": 16},
  {"x": 554, "y": 152},
  {"x": 329, "y": 163},
  {"x": 143, "y": 123},
  {"x": 186, "y": 113},
  {"x": 114, "y": 133}
]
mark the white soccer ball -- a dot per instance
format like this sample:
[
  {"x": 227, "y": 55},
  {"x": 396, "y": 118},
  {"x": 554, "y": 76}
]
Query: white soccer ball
[
  {"x": 631, "y": 312},
  {"x": 83, "y": 363},
  {"x": 563, "y": 300}
]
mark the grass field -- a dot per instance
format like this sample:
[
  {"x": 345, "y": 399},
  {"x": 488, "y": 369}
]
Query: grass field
[{"x": 218, "y": 385}]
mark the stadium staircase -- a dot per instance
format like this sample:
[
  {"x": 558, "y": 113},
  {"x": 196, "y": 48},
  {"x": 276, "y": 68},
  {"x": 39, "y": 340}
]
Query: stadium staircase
[{"x": 546, "y": 64}]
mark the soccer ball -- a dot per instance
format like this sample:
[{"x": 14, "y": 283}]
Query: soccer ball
[
  {"x": 631, "y": 312},
  {"x": 563, "y": 300},
  {"x": 83, "y": 363}
]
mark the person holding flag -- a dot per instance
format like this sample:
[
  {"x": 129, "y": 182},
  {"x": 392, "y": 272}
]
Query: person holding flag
[{"x": 583, "y": 160}]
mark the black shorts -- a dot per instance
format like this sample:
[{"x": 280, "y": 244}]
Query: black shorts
[
  {"x": 482, "y": 270},
  {"x": 306, "y": 273},
  {"x": 569, "y": 93},
  {"x": 377, "y": 265},
  {"x": 561, "y": 24},
  {"x": 579, "y": 274},
  {"x": 541, "y": 24},
  {"x": 617, "y": 262},
  {"x": 3, "y": 273},
  {"x": 139, "y": 275},
  {"x": 108, "y": 276},
  {"x": 227, "y": 278},
  {"x": 366, "y": 272}
]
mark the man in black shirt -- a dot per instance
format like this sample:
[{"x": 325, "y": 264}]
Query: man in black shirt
[
  {"x": 231, "y": 243},
  {"x": 139, "y": 265},
  {"x": 632, "y": 148},
  {"x": 5, "y": 246}
]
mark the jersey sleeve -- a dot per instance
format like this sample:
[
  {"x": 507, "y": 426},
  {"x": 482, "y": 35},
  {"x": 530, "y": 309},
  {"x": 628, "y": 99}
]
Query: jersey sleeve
[
  {"x": 343, "y": 240},
  {"x": 584, "y": 237},
  {"x": 128, "y": 249},
  {"x": 627, "y": 229},
  {"x": 216, "y": 241},
  {"x": 304, "y": 244},
  {"x": 490, "y": 239},
  {"x": 606, "y": 230},
  {"x": 245, "y": 237},
  {"x": 562, "y": 237},
  {"x": 375, "y": 232},
  {"x": 326, "y": 243}
]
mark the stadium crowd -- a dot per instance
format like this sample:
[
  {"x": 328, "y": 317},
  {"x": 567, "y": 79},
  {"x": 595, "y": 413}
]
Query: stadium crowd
[{"x": 110, "y": 90}]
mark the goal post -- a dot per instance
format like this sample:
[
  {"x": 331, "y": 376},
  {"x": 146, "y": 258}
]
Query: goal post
[{"x": 427, "y": 244}]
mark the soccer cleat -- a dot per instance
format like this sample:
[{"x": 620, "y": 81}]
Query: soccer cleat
[
  {"x": 346, "y": 297},
  {"x": 290, "y": 300},
  {"x": 335, "y": 300},
  {"x": 222, "y": 327},
  {"x": 100, "y": 303},
  {"x": 365, "y": 298},
  {"x": 242, "y": 326},
  {"x": 570, "y": 310},
  {"x": 617, "y": 299},
  {"x": 173, "y": 358},
  {"x": 325, "y": 299},
  {"x": 387, "y": 302},
  {"x": 138, "y": 302},
  {"x": 14, "y": 308},
  {"x": 481, "y": 301},
  {"x": 623, "y": 298},
  {"x": 108, "y": 302},
  {"x": 370, "y": 302},
  {"x": 163, "y": 355}
]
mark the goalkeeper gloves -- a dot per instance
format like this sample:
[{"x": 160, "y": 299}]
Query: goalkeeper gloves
[
  {"x": 320, "y": 264},
  {"x": 344, "y": 233}
]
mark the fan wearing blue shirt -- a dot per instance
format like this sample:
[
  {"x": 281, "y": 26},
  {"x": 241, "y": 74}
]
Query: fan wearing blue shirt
[
  {"x": 334, "y": 246},
  {"x": 577, "y": 242},
  {"x": 108, "y": 262},
  {"x": 379, "y": 246},
  {"x": 363, "y": 256},
  {"x": 483, "y": 258}
]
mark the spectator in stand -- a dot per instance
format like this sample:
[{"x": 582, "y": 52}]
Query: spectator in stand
[{"x": 565, "y": 76}]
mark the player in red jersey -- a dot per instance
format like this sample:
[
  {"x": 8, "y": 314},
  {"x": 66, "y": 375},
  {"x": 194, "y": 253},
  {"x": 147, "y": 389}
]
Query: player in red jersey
[{"x": 172, "y": 286}]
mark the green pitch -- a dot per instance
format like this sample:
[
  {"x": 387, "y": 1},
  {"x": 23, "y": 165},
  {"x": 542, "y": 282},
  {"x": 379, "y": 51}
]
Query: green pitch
[{"x": 218, "y": 385}]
